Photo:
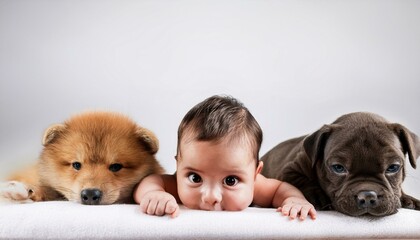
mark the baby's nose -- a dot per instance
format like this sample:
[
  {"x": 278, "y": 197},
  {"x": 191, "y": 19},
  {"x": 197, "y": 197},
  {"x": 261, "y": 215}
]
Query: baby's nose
[{"x": 212, "y": 196}]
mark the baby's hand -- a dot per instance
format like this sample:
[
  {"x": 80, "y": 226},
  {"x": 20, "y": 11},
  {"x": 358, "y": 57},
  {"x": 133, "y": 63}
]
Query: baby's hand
[
  {"x": 294, "y": 206},
  {"x": 159, "y": 203}
]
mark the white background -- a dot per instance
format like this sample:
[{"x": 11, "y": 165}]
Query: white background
[{"x": 295, "y": 64}]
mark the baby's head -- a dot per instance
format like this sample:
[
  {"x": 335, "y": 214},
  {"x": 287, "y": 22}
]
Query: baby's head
[
  {"x": 221, "y": 118},
  {"x": 217, "y": 155}
]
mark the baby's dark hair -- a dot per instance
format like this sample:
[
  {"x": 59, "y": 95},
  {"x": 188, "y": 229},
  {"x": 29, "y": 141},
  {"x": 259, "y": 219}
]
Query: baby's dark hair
[{"x": 218, "y": 117}]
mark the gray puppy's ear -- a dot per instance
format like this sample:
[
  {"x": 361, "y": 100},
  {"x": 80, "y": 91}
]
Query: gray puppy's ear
[
  {"x": 52, "y": 133},
  {"x": 148, "y": 139},
  {"x": 409, "y": 142},
  {"x": 314, "y": 144}
]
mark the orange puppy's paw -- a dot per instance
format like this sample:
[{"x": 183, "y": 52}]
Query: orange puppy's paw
[{"x": 14, "y": 192}]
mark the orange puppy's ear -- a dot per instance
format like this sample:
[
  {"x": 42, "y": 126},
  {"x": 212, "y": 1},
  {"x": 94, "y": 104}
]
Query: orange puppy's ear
[
  {"x": 51, "y": 134},
  {"x": 149, "y": 139}
]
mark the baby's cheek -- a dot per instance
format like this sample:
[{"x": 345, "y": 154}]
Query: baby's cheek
[
  {"x": 237, "y": 201},
  {"x": 188, "y": 198}
]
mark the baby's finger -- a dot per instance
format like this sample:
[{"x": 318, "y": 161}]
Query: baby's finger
[
  {"x": 304, "y": 212},
  {"x": 152, "y": 207},
  {"x": 172, "y": 208},
  {"x": 293, "y": 212},
  {"x": 312, "y": 213},
  {"x": 285, "y": 210},
  {"x": 144, "y": 204},
  {"x": 160, "y": 208},
  {"x": 176, "y": 212}
]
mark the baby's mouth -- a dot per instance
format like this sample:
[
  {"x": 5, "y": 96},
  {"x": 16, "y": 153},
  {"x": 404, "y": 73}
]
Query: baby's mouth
[
  {"x": 218, "y": 207},
  {"x": 215, "y": 207}
]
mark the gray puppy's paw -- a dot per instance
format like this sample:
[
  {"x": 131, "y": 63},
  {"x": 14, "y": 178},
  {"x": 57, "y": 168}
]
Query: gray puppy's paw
[{"x": 410, "y": 202}]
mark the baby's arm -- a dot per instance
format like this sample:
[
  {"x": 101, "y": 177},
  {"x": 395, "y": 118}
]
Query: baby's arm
[
  {"x": 153, "y": 194},
  {"x": 285, "y": 197}
]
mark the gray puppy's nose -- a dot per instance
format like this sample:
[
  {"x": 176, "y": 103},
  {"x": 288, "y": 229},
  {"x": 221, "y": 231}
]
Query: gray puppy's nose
[
  {"x": 367, "y": 199},
  {"x": 91, "y": 196}
]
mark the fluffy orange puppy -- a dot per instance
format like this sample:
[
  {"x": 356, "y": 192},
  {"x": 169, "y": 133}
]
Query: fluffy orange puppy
[{"x": 92, "y": 158}]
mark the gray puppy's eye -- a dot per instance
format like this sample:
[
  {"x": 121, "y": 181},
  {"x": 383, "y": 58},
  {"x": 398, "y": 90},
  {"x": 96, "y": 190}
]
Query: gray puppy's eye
[
  {"x": 338, "y": 168},
  {"x": 393, "y": 168}
]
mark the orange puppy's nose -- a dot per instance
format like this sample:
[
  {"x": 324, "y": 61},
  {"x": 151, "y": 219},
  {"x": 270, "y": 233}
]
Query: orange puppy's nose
[{"x": 91, "y": 196}]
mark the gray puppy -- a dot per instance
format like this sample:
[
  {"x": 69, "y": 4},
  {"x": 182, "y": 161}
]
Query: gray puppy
[{"x": 355, "y": 165}]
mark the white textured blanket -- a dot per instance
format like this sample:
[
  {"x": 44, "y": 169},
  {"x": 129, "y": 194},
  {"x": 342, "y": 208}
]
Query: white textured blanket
[{"x": 66, "y": 220}]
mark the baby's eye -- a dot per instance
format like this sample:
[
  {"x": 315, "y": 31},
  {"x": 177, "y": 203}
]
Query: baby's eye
[
  {"x": 231, "y": 180},
  {"x": 194, "y": 178}
]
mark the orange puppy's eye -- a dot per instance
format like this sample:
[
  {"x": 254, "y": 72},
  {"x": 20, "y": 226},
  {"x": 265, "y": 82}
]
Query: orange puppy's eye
[
  {"x": 77, "y": 165},
  {"x": 115, "y": 167}
]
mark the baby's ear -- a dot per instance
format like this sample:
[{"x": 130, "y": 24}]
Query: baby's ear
[
  {"x": 259, "y": 168},
  {"x": 148, "y": 139},
  {"x": 52, "y": 133}
]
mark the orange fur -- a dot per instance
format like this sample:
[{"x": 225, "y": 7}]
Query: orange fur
[{"x": 96, "y": 140}]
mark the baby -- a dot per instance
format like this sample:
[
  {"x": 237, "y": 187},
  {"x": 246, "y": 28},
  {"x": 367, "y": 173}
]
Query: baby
[{"x": 218, "y": 167}]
